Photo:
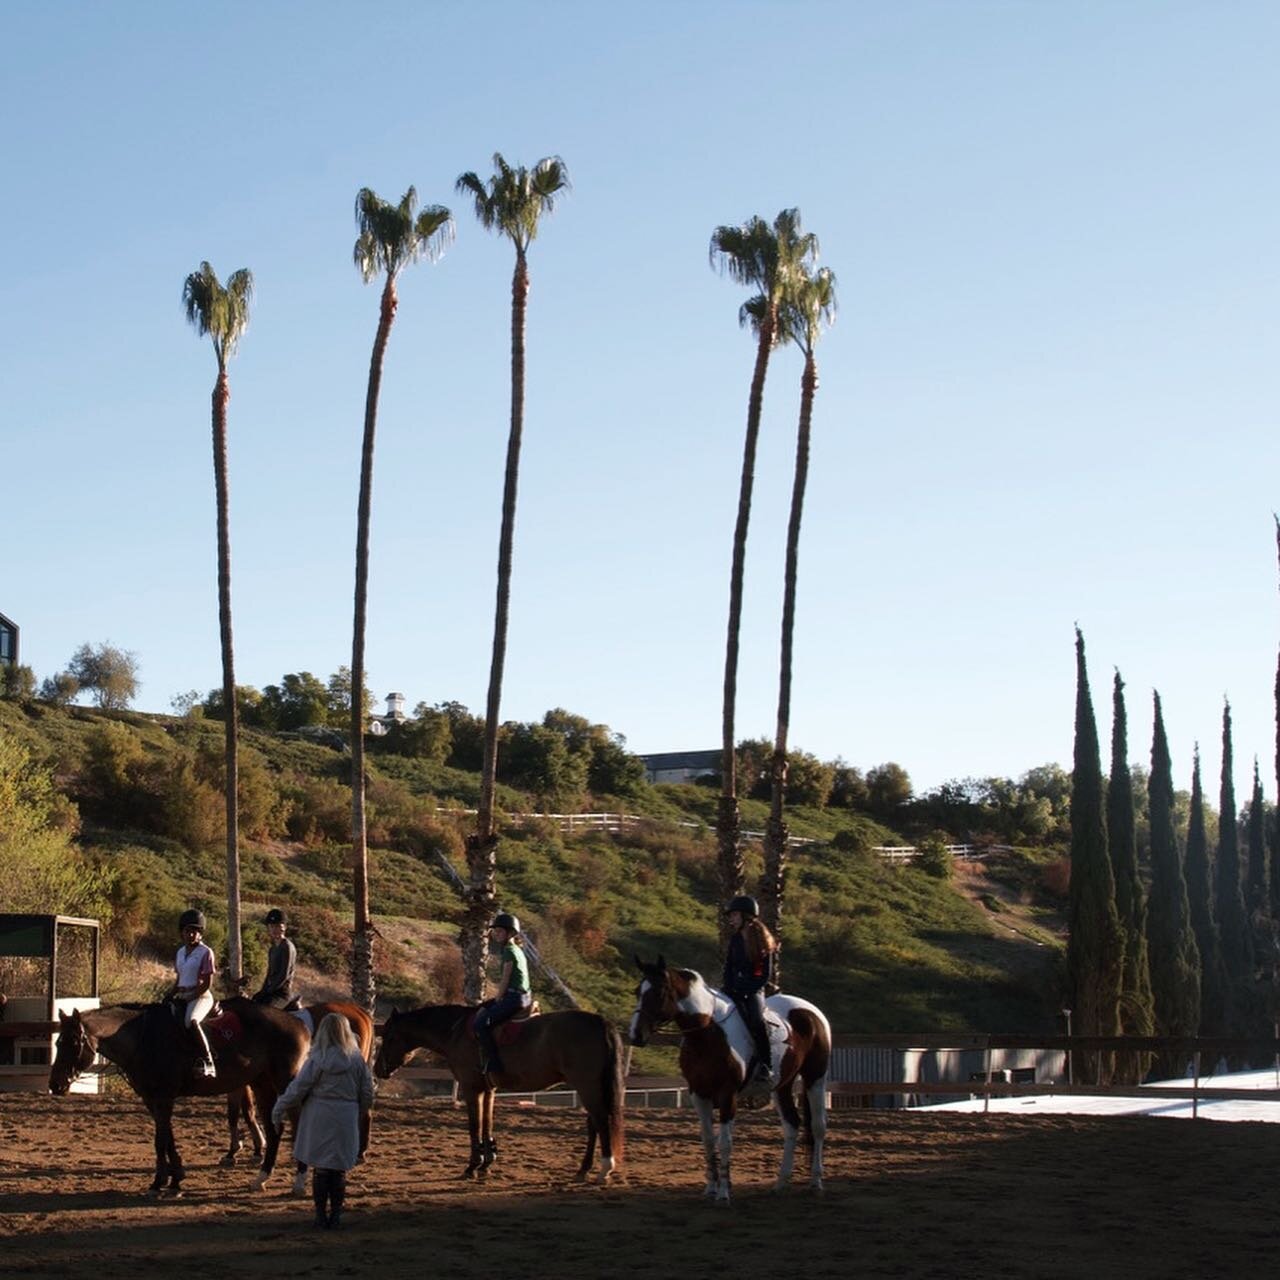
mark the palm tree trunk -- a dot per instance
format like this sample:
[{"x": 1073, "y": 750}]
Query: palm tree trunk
[
  {"x": 221, "y": 395},
  {"x": 773, "y": 881},
  {"x": 482, "y": 847},
  {"x": 729, "y": 845},
  {"x": 362, "y": 978}
]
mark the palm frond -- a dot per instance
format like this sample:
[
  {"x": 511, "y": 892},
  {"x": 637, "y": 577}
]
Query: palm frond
[
  {"x": 808, "y": 307},
  {"x": 515, "y": 197},
  {"x": 391, "y": 236},
  {"x": 217, "y": 312}
]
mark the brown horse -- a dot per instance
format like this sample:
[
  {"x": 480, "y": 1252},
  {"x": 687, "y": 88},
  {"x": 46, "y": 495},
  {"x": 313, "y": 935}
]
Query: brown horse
[
  {"x": 255, "y": 1047},
  {"x": 714, "y": 1050},
  {"x": 240, "y": 1105},
  {"x": 579, "y": 1048}
]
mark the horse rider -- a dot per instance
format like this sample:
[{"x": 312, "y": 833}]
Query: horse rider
[
  {"x": 195, "y": 968},
  {"x": 748, "y": 969},
  {"x": 277, "y": 987},
  {"x": 513, "y": 992}
]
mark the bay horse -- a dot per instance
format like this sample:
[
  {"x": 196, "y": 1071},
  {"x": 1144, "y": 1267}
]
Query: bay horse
[
  {"x": 571, "y": 1045},
  {"x": 714, "y": 1052},
  {"x": 254, "y": 1047}
]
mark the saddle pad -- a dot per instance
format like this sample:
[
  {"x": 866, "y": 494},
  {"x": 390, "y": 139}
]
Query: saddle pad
[
  {"x": 504, "y": 1033},
  {"x": 223, "y": 1028}
]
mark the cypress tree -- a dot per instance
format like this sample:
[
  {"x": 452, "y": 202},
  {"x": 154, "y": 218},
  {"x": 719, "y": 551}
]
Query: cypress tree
[
  {"x": 1258, "y": 898},
  {"x": 1200, "y": 900},
  {"x": 1234, "y": 935},
  {"x": 1137, "y": 1016},
  {"x": 1095, "y": 948},
  {"x": 1171, "y": 940}
]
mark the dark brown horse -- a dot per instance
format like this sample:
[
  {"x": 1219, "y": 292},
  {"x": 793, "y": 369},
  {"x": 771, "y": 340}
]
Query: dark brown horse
[
  {"x": 714, "y": 1050},
  {"x": 241, "y": 1105},
  {"x": 254, "y": 1047},
  {"x": 579, "y": 1048}
]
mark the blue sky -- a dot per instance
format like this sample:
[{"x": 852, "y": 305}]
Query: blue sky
[{"x": 1049, "y": 397}]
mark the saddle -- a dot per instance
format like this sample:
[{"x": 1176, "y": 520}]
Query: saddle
[
  {"x": 508, "y": 1032},
  {"x": 222, "y": 1026}
]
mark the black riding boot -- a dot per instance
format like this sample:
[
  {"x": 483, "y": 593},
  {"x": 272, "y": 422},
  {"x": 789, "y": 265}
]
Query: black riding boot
[
  {"x": 320, "y": 1186},
  {"x": 337, "y": 1194},
  {"x": 489, "y": 1060}
]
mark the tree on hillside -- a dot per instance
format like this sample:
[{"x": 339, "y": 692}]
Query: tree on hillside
[
  {"x": 110, "y": 674},
  {"x": 1234, "y": 934},
  {"x": 1258, "y": 898},
  {"x": 808, "y": 306},
  {"x": 221, "y": 313},
  {"x": 511, "y": 203},
  {"x": 1199, "y": 874},
  {"x": 1171, "y": 941},
  {"x": 1095, "y": 946},
  {"x": 765, "y": 258},
  {"x": 392, "y": 236},
  {"x": 1136, "y": 1013}
]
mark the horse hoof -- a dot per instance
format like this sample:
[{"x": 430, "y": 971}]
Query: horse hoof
[
  {"x": 259, "y": 1183},
  {"x": 227, "y": 1162}
]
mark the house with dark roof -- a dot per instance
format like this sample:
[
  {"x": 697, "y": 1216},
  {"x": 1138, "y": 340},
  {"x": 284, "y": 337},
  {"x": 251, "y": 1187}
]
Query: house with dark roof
[
  {"x": 8, "y": 642},
  {"x": 681, "y": 766}
]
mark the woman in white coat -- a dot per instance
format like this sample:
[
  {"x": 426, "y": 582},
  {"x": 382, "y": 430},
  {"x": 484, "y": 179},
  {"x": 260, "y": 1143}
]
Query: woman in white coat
[{"x": 333, "y": 1089}]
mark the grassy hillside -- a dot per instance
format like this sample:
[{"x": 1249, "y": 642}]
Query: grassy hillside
[{"x": 881, "y": 947}]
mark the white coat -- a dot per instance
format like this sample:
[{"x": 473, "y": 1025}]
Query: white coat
[{"x": 332, "y": 1089}]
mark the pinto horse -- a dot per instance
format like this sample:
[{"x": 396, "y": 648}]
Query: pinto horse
[
  {"x": 714, "y": 1051},
  {"x": 261, "y": 1051},
  {"x": 579, "y": 1048}
]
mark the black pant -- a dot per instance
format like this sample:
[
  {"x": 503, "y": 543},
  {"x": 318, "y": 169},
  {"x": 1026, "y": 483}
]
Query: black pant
[{"x": 751, "y": 1006}]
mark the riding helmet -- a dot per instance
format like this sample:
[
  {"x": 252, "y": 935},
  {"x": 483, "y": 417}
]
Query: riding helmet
[
  {"x": 188, "y": 919},
  {"x": 275, "y": 916},
  {"x": 505, "y": 920},
  {"x": 747, "y": 905}
]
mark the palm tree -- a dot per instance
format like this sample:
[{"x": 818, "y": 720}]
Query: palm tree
[
  {"x": 222, "y": 313},
  {"x": 763, "y": 257},
  {"x": 391, "y": 237},
  {"x": 510, "y": 203},
  {"x": 808, "y": 306}
]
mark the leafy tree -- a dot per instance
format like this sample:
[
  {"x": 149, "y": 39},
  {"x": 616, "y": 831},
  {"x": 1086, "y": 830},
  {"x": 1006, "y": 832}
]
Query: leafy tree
[
  {"x": 1137, "y": 1016},
  {"x": 765, "y": 258},
  {"x": 249, "y": 706},
  {"x": 61, "y": 690},
  {"x": 299, "y": 699},
  {"x": 1171, "y": 940},
  {"x": 17, "y": 682},
  {"x": 848, "y": 786},
  {"x": 613, "y": 770},
  {"x": 1213, "y": 992},
  {"x": 808, "y": 305},
  {"x": 888, "y": 789},
  {"x": 221, "y": 313},
  {"x": 539, "y": 760},
  {"x": 426, "y": 736},
  {"x": 110, "y": 674},
  {"x": 511, "y": 203},
  {"x": 392, "y": 236},
  {"x": 338, "y": 697},
  {"x": 1234, "y": 934},
  {"x": 1095, "y": 948},
  {"x": 466, "y": 736}
]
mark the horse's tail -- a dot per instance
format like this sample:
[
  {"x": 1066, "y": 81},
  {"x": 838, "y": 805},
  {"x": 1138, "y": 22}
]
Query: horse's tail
[{"x": 613, "y": 1088}]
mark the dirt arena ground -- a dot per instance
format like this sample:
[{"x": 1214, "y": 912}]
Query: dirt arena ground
[{"x": 907, "y": 1195}]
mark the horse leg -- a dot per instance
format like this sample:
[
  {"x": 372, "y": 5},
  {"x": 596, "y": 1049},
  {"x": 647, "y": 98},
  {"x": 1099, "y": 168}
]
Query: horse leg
[
  {"x": 706, "y": 1118},
  {"x": 815, "y": 1112},
  {"x": 589, "y": 1158},
  {"x": 790, "y": 1118},
  {"x": 488, "y": 1143},
  {"x": 264, "y": 1096},
  {"x": 250, "y": 1114},
  {"x": 176, "y": 1171},
  {"x": 726, "y": 1153},
  {"x": 235, "y": 1143},
  {"x": 162, "y": 1149},
  {"x": 474, "y": 1105}
]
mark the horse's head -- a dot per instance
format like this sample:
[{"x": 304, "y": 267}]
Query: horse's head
[
  {"x": 656, "y": 999},
  {"x": 74, "y": 1053},
  {"x": 393, "y": 1049}
]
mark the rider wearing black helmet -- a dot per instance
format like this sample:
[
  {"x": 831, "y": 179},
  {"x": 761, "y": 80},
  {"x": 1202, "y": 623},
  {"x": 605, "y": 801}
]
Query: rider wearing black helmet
[
  {"x": 194, "y": 968},
  {"x": 277, "y": 987},
  {"x": 748, "y": 968},
  {"x": 513, "y": 992}
]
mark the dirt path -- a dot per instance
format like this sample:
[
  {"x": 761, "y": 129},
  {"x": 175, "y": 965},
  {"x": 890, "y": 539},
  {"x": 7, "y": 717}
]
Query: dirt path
[{"x": 908, "y": 1195}]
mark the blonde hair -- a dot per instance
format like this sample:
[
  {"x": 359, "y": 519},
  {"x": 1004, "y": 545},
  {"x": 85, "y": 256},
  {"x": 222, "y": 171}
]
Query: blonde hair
[{"x": 334, "y": 1032}]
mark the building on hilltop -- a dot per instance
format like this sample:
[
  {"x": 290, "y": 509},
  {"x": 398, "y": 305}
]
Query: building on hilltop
[
  {"x": 378, "y": 725},
  {"x": 681, "y": 766},
  {"x": 8, "y": 642}
]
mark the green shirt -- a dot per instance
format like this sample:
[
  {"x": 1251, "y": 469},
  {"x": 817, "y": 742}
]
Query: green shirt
[{"x": 519, "y": 967}]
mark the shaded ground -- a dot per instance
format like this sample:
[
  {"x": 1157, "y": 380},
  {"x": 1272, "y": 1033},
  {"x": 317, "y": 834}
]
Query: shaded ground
[{"x": 907, "y": 1195}]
